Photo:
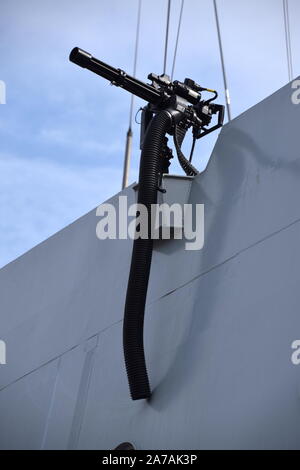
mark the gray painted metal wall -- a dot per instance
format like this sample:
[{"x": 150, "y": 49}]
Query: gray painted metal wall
[{"x": 219, "y": 322}]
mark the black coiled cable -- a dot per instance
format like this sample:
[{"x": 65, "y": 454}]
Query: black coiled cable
[{"x": 188, "y": 168}]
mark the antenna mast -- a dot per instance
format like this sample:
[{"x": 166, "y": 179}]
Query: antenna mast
[{"x": 129, "y": 132}]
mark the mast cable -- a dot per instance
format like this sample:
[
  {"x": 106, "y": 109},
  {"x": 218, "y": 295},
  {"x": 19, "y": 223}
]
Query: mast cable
[
  {"x": 167, "y": 35},
  {"x": 177, "y": 39},
  {"x": 288, "y": 39},
  {"x": 227, "y": 97}
]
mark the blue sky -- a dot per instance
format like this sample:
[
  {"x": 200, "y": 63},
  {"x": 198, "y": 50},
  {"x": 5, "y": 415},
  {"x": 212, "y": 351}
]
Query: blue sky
[{"x": 62, "y": 130}]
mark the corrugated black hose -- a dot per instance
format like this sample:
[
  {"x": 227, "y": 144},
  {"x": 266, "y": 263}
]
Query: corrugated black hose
[
  {"x": 133, "y": 326},
  {"x": 187, "y": 167}
]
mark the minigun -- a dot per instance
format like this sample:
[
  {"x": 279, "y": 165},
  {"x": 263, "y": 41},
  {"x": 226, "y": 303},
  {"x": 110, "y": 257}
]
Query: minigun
[
  {"x": 183, "y": 100},
  {"x": 173, "y": 107}
]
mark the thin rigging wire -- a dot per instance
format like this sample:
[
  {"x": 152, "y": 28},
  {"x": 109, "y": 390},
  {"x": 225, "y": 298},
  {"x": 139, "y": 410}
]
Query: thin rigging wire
[
  {"x": 288, "y": 39},
  {"x": 177, "y": 39},
  {"x": 137, "y": 36},
  {"x": 222, "y": 62},
  {"x": 167, "y": 36}
]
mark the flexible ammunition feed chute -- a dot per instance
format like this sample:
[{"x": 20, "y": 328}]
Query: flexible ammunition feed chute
[{"x": 173, "y": 107}]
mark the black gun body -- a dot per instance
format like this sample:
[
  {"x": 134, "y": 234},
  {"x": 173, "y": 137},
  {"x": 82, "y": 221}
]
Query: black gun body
[{"x": 115, "y": 76}]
